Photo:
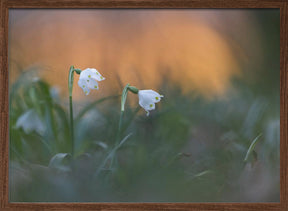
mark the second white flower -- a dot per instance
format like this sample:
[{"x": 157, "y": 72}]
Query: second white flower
[{"x": 148, "y": 98}]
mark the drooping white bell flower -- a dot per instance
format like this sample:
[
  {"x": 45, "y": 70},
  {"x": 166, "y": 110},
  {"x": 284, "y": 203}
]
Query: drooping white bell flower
[
  {"x": 88, "y": 79},
  {"x": 30, "y": 121},
  {"x": 148, "y": 98}
]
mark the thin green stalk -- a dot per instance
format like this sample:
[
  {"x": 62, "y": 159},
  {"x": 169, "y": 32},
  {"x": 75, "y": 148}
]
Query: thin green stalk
[
  {"x": 118, "y": 141},
  {"x": 118, "y": 135},
  {"x": 119, "y": 128},
  {"x": 123, "y": 100},
  {"x": 70, "y": 87},
  {"x": 71, "y": 126},
  {"x": 117, "y": 138}
]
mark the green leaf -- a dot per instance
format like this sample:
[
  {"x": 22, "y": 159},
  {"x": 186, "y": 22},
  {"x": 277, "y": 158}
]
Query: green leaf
[{"x": 251, "y": 147}]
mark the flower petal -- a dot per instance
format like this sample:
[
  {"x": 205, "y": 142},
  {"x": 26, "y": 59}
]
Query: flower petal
[
  {"x": 86, "y": 74},
  {"x": 92, "y": 84},
  {"x": 148, "y": 98},
  {"x": 84, "y": 85},
  {"x": 146, "y": 105},
  {"x": 152, "y": 95},
  {"x": 96, "y": 75}
]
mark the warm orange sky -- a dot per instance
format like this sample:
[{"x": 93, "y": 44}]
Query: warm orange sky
[{"x": 198, "y": 49}]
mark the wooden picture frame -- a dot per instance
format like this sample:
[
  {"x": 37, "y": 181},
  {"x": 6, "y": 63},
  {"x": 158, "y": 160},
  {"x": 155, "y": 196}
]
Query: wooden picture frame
[{"x": 282, "y": 5}]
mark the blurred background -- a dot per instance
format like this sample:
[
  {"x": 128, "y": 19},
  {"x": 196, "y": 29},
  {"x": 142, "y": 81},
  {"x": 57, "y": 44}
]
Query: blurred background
[{"x": 219, "y": 72}]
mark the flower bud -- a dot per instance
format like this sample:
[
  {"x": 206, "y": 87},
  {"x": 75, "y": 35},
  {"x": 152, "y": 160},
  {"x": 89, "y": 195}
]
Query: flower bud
[
  {"x": 78, "y": 71},
  {"x": 133, "y": 89}
]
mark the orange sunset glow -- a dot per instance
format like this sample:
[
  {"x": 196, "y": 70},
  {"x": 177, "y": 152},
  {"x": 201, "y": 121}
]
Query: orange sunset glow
[{"x": 142, "y": 47}]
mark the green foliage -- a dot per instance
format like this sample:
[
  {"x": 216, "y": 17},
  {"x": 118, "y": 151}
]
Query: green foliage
[{"x": 190, "y": 149}]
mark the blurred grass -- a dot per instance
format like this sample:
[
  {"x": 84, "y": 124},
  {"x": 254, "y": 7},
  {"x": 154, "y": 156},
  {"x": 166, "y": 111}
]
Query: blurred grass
[{"x": 190, "y": 149}]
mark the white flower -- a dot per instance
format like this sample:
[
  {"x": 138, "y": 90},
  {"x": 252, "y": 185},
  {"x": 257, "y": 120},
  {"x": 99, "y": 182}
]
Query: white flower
[
  {"x": 148, "y": 98},
  {"x": 88, "y": 79},
  {"x": 30, "y": 121}
]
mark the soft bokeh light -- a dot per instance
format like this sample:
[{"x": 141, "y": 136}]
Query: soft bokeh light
[{"x": 190, "y": 47}]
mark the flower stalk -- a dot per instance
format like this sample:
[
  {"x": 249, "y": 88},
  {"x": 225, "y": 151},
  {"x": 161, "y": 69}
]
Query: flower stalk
[
  {"x": 147, "y": 100},
  {"x": 123, "y": 101},
  {"x": 124, "y": 97},
  {"x": 71, "y": 126},
  {"x": 70, "y": 87},
  {"x": 87, "y": 80}
]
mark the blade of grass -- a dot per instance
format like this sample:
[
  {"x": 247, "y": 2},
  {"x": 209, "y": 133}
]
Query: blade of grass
[
  {"x": 111, "y": 154},
  {"x": 123, "y": 141},
  {"x": 202, "y": 173},
  {"x": 251, "y": 147}
]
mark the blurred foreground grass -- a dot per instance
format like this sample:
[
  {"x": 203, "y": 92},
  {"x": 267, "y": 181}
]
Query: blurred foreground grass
[{"x": 190, "y": 149}]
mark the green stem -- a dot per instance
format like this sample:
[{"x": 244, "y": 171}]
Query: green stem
[
  {"x": 124, "y": 96},
  {"x": 70, "y": 87},
  {"x": 123, "y": 100},
  {"x": 71, "y": 126},
  {"x": 118, "y": 135},
  {"x": 119, "y": 128},
  {"x": 112, "y": 154}
]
